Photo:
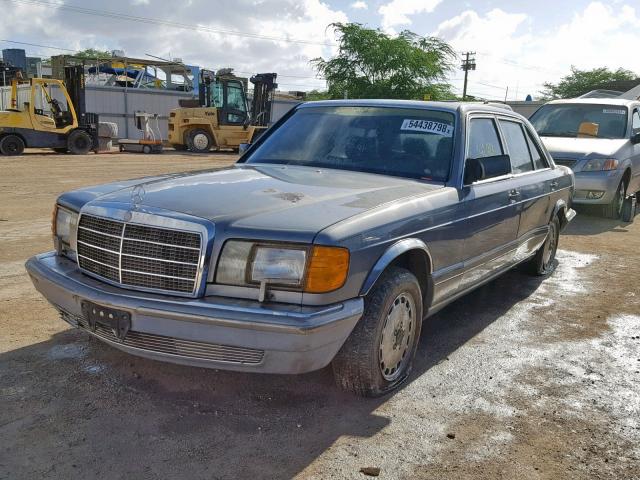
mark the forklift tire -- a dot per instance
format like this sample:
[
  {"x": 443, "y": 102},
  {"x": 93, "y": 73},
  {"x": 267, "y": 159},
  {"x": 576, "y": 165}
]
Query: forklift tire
[
  {"x": 146, "y": 149},
  {"x": 199, "y": 141},
  {"x": 11, "y": 145},
  {"x": 79, "y": 142}
]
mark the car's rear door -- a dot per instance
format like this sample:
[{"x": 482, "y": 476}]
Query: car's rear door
[
  {"x": 533, "y": 181},
  {"x": 491, "y": 207}
]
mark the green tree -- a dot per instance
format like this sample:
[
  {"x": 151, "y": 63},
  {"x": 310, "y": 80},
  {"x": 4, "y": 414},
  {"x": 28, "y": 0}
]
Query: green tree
[
  {"x": 372, "y": 64},
  {"x": 92, "y": 54},
  {"x": 579, "y": 82},
  {"x": 317, "y": 95}
]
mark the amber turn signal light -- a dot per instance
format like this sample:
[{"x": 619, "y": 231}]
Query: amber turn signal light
[
  {"x": 54, "y": 214},
  {"x": 328, "y": 268}
]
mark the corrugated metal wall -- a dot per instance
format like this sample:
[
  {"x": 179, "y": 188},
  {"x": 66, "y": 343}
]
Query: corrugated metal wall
[{"x": 118, "y": 105}]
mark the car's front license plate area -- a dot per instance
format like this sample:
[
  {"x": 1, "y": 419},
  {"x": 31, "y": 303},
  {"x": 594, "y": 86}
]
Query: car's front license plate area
[{"x": 96, "y": 315}]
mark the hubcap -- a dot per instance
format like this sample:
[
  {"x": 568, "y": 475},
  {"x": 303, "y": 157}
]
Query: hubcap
[
  {"x": 397, "y": 337},
  {"x": 201, "y": 141},
  {"x": 620, "y": 198},
  {"x": 550, "y": 246}
]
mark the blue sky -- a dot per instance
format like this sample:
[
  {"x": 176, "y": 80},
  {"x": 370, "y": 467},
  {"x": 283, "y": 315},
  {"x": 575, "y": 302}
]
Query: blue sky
[{"x": 520, "y": 44}]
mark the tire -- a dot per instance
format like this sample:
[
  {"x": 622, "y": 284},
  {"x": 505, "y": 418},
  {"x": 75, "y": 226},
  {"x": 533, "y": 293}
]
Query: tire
[
  {"x": 614, "y": 209},
  {"x": 79, "y": 142},
  {"x": 374, "y": 360},
  {"x": 629, "y": 209},
  {"x": 11, "y": 145},
  {"x": 543, "y": 263},
  {"x": 146, "y": 149},
  {"x": 199, "y": 141}
]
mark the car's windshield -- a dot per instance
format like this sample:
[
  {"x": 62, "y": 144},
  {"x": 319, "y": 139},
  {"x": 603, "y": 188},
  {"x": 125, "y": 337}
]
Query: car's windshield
[
  {"x": 404, "y": 142},
  {"x": 581, "y": 120}
]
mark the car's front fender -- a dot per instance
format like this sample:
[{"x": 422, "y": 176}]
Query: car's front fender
[{"x": 392, "y": 253}]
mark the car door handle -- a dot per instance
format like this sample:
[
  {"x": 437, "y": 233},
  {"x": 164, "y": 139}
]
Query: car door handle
[
  {"x": 554, "y": 185},
  {"x": 513, "y": 195}
]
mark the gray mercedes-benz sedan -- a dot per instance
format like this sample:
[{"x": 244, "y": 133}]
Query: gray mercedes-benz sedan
[
  {"x": 599, "y": 138},
  {"x": 330, "y": 241}
]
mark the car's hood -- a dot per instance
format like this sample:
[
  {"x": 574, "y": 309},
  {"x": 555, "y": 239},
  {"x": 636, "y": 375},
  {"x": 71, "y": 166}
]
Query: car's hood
[
  {"x": 271, "y": 197},
  {"x": 578, "y": 148}
]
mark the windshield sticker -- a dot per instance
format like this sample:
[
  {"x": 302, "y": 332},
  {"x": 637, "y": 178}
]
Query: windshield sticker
[
  {"x": 427, "y": 126},
  {"x": 614, "y": 110}
]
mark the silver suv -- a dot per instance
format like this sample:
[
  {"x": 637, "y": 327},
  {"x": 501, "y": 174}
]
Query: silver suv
[{"x": 599, "y": 139}]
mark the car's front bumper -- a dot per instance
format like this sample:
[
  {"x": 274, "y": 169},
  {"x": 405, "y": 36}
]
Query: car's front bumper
[
  {"x": 606, "y": 181},
  {"x": 212, "y": 332}
]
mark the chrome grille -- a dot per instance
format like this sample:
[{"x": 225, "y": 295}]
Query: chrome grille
[
  {"x": 139, "y": 256},
  {"x": 170, "y": 345}
]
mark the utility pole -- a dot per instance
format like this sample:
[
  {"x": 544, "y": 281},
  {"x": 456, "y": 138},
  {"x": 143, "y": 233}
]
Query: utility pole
[{"x": 469, "y": 63}]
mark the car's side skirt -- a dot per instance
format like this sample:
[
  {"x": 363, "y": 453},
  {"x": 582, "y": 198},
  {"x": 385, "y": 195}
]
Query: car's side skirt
[{"x": 480, "y": 270}]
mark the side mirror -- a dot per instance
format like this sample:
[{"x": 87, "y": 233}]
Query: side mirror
[
  {"x": 243, "y": 147},
  {"x": 477, "y": 169},
  {"x": 635, "y": 138}
]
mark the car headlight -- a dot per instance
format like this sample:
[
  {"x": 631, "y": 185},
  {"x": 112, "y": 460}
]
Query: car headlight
[
  {"x": 600, "y": 164},
  {"x": 63, "y": 223},
  {"x": 312, "y": 269}
]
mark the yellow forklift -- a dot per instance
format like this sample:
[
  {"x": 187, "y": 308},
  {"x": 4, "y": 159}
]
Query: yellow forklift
[
  {"x": 54, "y": 117},
  {"x": 221, "y": 117}
]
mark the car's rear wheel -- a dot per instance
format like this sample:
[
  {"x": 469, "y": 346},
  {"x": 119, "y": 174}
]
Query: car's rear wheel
[
  {"x": 614, "y": 209},
  {"x": 11, "y": 145},
  {"x": 544, "y": 261},
  {"x": 378, "y": 355}
]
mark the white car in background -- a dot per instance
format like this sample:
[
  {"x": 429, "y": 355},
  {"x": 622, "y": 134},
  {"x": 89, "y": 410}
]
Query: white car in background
[{"x": 599, "y": 139}]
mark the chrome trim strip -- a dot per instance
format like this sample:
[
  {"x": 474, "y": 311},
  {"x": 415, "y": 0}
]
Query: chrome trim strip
[
  {"x": 99, "y": 248},
  {"x": 156, "y": 275},
  {"x": 157, "y": 259},
  {"x": 129, "y": 239},
  {"x": 99, "y": 232},
  {"x": 95, "y": 261}
]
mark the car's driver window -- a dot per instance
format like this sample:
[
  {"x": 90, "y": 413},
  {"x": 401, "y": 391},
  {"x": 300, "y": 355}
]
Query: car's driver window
[{"x": 483, "y": 139}]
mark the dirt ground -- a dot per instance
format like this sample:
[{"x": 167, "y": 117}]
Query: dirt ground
[{"x": 524, "y": 378}]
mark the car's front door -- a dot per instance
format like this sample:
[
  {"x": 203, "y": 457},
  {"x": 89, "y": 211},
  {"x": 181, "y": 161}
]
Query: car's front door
[
  {"x": 532, "y": 180},
  {"x": 634, "y": 184},
  {"x": 491, "y": 207}
]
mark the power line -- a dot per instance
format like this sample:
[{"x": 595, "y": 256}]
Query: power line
[{"x": 167, "y": 23}]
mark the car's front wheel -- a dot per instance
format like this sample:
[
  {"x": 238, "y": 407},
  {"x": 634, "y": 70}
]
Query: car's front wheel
[
  {"x": 614, "y": 209},
  {"x": 378, "y": 355}
]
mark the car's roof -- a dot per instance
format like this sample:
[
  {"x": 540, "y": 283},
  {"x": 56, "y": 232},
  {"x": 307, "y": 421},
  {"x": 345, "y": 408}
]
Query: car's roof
[
  {"x": 595, "y": 101},
  {"x": 447, "y": 106}
]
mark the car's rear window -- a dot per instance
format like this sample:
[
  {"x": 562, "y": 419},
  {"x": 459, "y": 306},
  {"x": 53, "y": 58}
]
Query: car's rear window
[
  {"x": 581, "y": 120},
  {"x": 405, "y": 142}
]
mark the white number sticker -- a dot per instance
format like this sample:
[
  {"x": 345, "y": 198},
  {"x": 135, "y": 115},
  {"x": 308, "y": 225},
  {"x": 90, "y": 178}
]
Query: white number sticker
[
  {"x": 614, "y": 110},
  {"x": 427, "y": 126}
]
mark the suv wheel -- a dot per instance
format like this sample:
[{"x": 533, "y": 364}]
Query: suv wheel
[
  {"x": 543, "y": 263},
  {"x": 378, "y": 355},
  {"x": 614, "y": 209},
  {"x": 199, "y": 141},
  {"x": 11, "y": 145}
]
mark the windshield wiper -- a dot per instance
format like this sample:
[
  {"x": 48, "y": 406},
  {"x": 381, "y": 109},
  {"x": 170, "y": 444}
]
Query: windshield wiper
[{"x": 558, "y": 134}]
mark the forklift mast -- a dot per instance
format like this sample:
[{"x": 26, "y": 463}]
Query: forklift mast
[
  {"x": 74, "y": 82},
  {"x": 263, "y": 88}
]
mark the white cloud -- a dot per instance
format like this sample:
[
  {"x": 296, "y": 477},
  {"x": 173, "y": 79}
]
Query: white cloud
[
  {"x": 360, "y": 5},
  {"x": 305, "y": 20},
  {"x": 397, "y": 12},
  {"x": 510, "y": 52}
]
